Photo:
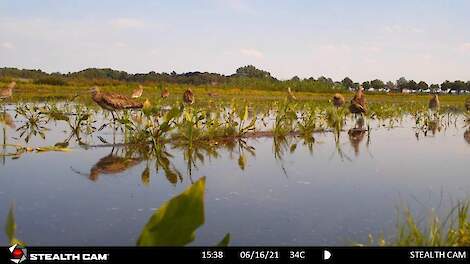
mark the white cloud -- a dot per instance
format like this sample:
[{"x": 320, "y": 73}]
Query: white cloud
[
  {"x": 7, "y": 45},
  {"x": 402, "y": 29},
  {"x": 126, "y": 23},
  {"x": 237, "y": 5},
  {"x": 252, "y": 53},
  {"x": 465, "y": 47},
  {"x": 372, "y": 49},
  {"x": 120, "y": 45}
]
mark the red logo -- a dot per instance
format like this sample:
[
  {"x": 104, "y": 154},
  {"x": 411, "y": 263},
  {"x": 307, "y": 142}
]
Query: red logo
[{"x": 18, "y": 253}]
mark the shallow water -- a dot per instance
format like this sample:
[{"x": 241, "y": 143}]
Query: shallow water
[{"x": 331, "y": 195}]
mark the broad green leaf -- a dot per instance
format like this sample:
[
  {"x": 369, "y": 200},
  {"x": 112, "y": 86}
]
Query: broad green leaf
[
  {"x": 10, "y": 225},
  {"x": 175, "y": 222},
  {"x": 225, "y": 241}
]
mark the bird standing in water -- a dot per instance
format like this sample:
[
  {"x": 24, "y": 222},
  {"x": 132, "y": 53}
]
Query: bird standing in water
[
  {"x": 434, "y": 102},
  {"x": 358, "y": 103},
  {"x": 165, "y": 93},
  {"x": 188, "y": 96},
  {"x": 290, "y": 95},
  {"x": 338, "y": 100},
  {"x": 138, "y": 92},
  {"x": 7, "y": 92},
  {"x": 113, "y": 101}
]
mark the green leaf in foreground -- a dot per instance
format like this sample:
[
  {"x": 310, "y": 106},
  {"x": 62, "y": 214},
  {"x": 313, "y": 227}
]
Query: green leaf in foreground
[
  {"x": 175, "y": 222},
  {"x": 224, "y": 242},
  {"x": 10, "y": 227}
]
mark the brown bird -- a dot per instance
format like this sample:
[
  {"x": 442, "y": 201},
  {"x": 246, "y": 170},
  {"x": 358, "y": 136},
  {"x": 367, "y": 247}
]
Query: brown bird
[
  {"x": 113, "y": 101},
  {"x": 338, "y": 100},
  {"x": 466, "y": 136},
  {"x": 7, "y": 119},
  {"x": 188, "y": 96},
  {"x": 434, "y": 102},
  {"x": 7, "y": 92},
  {"x": 467, "y": 104},
  {"x": 165, "y": 93},
  {"x": 358, "y": 103},
  {"x": 290, "y": 95},
  {"x": 112, "y": 164},
  {"x": 138, "y": 92}
]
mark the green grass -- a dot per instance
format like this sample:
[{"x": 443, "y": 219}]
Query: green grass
[
  {"x": 452, "y": 230},
  {"x": 28, "y": 91}
]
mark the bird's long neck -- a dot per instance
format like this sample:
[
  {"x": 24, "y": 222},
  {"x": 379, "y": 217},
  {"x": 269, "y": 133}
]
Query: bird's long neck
[{"x": 96, "y": 95}]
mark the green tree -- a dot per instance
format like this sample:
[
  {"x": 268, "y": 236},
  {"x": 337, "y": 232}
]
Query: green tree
[
  {"x": 390, "y": 85},
  {"x": 377, "y": 84},
  {"x": 434, "y": 87},
  {"x": 412, "y": 85},
  {"x": 423, "y": 85},
  {"x": 402, "y": 83},
  {"x": 295, "y": 79},
  {"x": 347, "y": 83},
  {"x": 252, "y": 72},
  {"x": 366, "y": 85}
]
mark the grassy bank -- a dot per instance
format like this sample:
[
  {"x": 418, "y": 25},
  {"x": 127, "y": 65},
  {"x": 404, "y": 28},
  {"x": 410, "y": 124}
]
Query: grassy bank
[{"x": 27, "y": 91}]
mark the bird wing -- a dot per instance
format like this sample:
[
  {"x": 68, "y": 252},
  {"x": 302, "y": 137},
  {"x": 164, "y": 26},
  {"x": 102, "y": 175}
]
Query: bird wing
[
  {"x": 356, "y": 107},
  {"x": 119, "y": 101}
]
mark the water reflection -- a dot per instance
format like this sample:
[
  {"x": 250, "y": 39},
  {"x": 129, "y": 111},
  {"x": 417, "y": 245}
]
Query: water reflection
[
  {"x": 113, "y": 163},
  {"x": 356, "y": 135},
  {"x": 314, "y": 182}
]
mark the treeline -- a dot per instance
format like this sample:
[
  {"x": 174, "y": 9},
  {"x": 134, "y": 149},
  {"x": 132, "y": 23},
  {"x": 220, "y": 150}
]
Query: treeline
[
  {"x": 403, "y": 84},
  {"x": 246, "y": 77}
]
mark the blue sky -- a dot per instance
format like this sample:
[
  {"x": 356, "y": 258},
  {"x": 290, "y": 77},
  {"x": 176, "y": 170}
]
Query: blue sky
[{"x": 421, "y": 40}]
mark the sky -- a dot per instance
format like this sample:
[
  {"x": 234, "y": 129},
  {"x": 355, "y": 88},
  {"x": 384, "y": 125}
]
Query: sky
[{"x": 422, "y": 40}]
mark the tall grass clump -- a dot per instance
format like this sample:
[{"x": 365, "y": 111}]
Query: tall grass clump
[{"x": 453, "y": 230}]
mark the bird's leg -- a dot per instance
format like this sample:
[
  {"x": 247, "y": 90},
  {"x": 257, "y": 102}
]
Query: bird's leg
[
  {"x": 114, "y": 127},
  {"x": 114, "y": 118},
  {"x": 4, "y": 145}
]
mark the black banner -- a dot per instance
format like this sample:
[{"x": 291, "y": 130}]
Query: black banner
[{"x": 246, "y": 255}]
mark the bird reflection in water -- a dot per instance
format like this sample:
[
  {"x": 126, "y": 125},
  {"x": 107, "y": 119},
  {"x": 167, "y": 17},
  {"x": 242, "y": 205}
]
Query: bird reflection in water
[
  {"x": 356, "y": 135},
  {"x": 112, "y": 163}
]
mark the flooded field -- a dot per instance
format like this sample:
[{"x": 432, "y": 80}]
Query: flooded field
[{"x": 281, "y": 174}]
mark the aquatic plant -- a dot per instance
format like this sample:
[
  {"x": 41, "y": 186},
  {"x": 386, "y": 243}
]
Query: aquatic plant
[{"x": 452, "y": 230}]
